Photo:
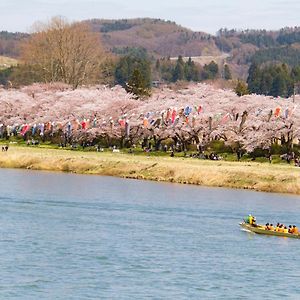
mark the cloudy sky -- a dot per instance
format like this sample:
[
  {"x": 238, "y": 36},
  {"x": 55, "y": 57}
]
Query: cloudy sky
[{"x": 200, "y": 15}]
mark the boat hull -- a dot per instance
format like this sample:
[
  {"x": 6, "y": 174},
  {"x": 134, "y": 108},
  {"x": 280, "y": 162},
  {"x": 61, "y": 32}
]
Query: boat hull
[{"x": 259, "y": 229}]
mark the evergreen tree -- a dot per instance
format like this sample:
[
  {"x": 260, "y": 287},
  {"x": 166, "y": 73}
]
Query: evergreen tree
[
  {"x": 279, "y": 86},
  {"x": 195, "y": 73},
  {"x": 254, "y": 78},
  {"x": 188, "y": 70},
  {"x": 241, "y": 88},
  {"x": 157, "y": 65},
  {"x": 295, "y": 73},
  {"x": 227, "y": 73},
  {"x": 122, "y": 72},
  {"x": 178, "y": 73},
  {"x": 126, "y": 66},
  {"x": 266, "y": 83},
  {"x": 137, "y": 85},
  {"x": 210, "y": 71}
]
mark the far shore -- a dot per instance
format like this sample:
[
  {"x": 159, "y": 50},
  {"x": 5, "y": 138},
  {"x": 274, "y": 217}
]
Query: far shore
[{"x": 263, "y": 177}]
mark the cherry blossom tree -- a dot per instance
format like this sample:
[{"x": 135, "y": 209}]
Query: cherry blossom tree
[{"x": 198, "y": 115}]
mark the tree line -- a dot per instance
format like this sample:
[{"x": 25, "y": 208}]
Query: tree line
[
  {"x": 273, "y": 80},
  {"x": 263, "y": 38}
]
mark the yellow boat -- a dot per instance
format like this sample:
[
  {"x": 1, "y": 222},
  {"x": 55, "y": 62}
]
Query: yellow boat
[{"x": 260, "y": 229}]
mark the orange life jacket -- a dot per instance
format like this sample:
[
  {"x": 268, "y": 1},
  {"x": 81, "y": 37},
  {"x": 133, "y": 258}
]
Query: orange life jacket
[{"x": 295, "y": 230}]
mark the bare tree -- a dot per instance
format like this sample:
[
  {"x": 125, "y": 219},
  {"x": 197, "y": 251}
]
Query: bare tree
[{"x": 66, "y": 52}]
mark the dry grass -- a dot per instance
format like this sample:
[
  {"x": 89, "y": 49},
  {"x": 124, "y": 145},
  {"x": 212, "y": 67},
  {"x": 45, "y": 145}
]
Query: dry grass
[
  {"x": 206, "y": 59},
  {"x": 254, "y": 176},
  {"x": 6, "y": 62}
]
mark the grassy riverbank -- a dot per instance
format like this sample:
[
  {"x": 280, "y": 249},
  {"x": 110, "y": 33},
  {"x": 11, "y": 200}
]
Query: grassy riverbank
[{"x": 248, "y": 175}]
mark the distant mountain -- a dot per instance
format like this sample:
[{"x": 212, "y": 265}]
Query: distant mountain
[
  {"x": 167, "y": 39},
  {"x": 159, "y": 37}
]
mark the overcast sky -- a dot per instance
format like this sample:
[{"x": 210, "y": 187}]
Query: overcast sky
[{"x": 199, "y": 15}]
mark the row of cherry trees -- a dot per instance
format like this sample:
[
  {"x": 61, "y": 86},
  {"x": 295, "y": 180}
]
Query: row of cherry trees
[{"x": 109, "y": 116}]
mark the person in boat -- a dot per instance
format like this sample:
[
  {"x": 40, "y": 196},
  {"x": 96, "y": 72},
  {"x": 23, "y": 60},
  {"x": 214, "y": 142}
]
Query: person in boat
[
  {"x": 295, "y": 230},
  {"x": 290, "y": 229},
  {"x": 251, "y": 220},
  {"x": 279, "y": 228},
  {"x": 248, "y": 219},
  {"x": 285, "y": 230},
  {"x": 267, "y": 226},
  {"x": 271, "y": 227}
]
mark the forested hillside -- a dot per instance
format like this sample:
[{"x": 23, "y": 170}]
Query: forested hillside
[
  {"x": 164, "y": 51},
  {"x": 168, "y": 39},
  {"x": 10, "y": 43},
  {"x": 162, "y": 38}
]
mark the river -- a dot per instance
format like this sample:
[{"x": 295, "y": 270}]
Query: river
[{"x": 69, "y": 236}]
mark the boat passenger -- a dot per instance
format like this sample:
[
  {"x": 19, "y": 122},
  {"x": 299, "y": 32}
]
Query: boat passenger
[
  {"x": 285, "y": 230},
  {"x": 290, "y": 229},
  {"x": 281, "y": 228},
  {"x": 271, "y": 227},
  {"x": 295, "y": 230},
  {"x": 267, "y": 227},
  {"x": 277, "y": 227},
  {"x": 248, "y": 219}
]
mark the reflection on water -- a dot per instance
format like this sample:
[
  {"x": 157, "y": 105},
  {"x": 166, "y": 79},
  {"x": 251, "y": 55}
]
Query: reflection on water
[{"x": 87, "y": 237}]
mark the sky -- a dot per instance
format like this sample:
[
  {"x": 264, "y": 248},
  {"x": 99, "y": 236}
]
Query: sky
[{"x": 199, "y": 15}]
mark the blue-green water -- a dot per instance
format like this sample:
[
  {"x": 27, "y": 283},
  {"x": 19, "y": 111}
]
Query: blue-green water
[{"x": 86, "y": 237}]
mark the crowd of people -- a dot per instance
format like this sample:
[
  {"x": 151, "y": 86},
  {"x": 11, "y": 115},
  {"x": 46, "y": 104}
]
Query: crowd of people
[
  {"x": 293, "y": 229},
  {"x": 282, "y": 228},
  {"x": 289, "y": 157}
]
